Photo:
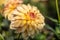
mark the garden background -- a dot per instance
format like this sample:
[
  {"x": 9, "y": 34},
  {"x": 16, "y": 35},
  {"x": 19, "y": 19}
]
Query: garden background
[{"x": 51, "y": 11}]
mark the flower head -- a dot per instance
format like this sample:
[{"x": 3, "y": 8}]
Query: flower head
[
  {"x": 26, "y": 19},
  {"x": 10, "y": 5}
]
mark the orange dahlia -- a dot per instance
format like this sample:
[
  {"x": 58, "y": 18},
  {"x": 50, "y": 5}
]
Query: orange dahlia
[
  {"x": 10, "y": 5},
  {"x": 26, "y": 19}
]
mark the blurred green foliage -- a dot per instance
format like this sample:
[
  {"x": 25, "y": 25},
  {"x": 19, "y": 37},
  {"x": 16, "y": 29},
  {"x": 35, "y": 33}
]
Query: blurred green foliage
[{"x": 52, "y": 27}]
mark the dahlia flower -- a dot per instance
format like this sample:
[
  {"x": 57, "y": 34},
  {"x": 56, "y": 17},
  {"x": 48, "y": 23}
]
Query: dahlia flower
[
  {"x": 25, "y": 19},
  {"x": 10, "y": 5},
  {"x": 14, "y": 2}
]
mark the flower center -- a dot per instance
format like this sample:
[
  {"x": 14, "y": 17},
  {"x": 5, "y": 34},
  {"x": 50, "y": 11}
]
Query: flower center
[{"x": 32, "y": 15}]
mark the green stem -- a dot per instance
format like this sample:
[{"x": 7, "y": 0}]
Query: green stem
[
  {"x": 53, "y": 31},
  {"x": 57, "y": 8}
]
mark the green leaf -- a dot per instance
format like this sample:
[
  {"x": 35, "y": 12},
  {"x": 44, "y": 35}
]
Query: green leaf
[
  {"x": 54, "y": 31},
  {"x": 1, "y": 37},
  {"x": 40, "y": 37},
  {"x": 54, "y": 20},
  {"x": 58, "y": 30},
  {"x": 49, "y": 27}
]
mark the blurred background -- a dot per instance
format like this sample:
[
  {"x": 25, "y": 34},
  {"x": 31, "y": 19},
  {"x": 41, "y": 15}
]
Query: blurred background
[{"x": 51, "y": 31}]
